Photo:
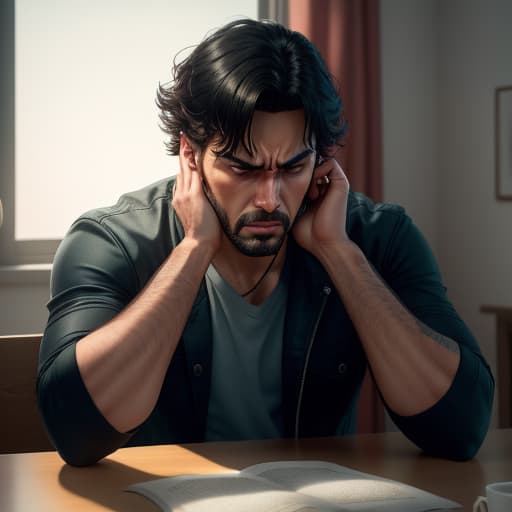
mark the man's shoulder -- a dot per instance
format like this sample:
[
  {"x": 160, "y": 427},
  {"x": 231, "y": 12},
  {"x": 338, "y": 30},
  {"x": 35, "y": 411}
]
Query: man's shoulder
[
  {"x": 133, "y": 236},
  {"x": 377, "y": 227},
  {"x": 132, "y": 204},
  {"x": 364, "y": 213}
]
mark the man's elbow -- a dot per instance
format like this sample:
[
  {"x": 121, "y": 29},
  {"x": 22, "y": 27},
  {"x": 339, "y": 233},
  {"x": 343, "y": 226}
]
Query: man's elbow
[
  {"x": 80, "y": 441},
  {"x": 82, "y": 456},
  {"x": 461, "y": 449},
  {"x": 465, "y": 437}
]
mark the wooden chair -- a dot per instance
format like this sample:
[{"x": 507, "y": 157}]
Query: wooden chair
[{"x": 21, "y": 425}]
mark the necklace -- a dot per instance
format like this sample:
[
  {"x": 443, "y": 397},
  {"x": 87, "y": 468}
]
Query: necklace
[{"x": 263, "y": 276}]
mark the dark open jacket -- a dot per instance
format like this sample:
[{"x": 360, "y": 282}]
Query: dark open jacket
[{"x": 108, "y": 256}]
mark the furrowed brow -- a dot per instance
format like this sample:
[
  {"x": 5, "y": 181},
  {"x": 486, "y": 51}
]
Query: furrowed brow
[
  {"x": 251, "y": 167},
  {"x": 246, "y": 166},
  {"x": 295, "y": 159}
]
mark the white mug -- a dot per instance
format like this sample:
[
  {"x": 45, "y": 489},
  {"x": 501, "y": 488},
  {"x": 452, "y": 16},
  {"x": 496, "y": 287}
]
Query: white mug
[{"x": 498, "y": 498}]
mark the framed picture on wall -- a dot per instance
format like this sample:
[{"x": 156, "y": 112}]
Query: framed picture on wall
[{"x": 503, "y": 116}]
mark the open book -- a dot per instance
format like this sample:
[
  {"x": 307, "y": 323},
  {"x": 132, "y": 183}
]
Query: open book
[{"x": 288, "y": 486}]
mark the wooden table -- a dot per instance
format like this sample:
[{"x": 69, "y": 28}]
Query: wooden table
[
  {"x": 504, "y": 361},
  {"x": 42, "y": 482}
]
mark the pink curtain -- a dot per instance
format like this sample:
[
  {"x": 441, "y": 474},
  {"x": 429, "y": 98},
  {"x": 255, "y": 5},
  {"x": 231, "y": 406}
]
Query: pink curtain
[{"x": 346, "y": 32}]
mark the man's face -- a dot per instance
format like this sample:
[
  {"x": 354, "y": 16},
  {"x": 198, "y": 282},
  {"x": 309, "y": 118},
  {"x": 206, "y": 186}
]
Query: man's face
[{"x": 257, "y": 197}]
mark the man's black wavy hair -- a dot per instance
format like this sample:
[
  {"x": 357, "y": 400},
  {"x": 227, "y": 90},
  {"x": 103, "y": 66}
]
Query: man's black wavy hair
[{"x": 245, "y": 66}]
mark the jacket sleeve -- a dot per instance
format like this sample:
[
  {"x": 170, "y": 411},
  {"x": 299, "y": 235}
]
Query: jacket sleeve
[
  {"x": 92, "y": 281},
  {"x": 456, "y": 425}
]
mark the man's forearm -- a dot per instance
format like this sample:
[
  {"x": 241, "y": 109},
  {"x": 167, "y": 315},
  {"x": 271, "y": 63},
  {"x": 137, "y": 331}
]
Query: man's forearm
[
  {"x": 413, "y": 365},
  {"x": 123, "y": 363}
]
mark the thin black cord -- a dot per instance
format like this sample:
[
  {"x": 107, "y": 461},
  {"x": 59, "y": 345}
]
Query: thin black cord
[{"x": 264, "y": 274}]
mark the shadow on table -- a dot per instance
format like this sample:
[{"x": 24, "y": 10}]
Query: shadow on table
[
  {"x": 413, "y": 469},
  {"x": 89, "y": 482}
]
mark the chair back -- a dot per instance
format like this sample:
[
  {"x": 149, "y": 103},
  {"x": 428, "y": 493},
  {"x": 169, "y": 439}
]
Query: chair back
[{"x": 21, "y": 425}]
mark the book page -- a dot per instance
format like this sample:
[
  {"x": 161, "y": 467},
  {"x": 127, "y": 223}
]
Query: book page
[
  {"x": 348, "y": 488},
  {"x": 231, "y": 492}
]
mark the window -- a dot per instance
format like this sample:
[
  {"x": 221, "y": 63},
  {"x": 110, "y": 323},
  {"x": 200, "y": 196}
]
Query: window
[{"x": 79, "y": 124}]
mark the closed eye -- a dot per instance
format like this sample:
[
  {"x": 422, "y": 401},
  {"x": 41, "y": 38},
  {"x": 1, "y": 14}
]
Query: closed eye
[
  {"x": 293, "y": 166},
  {"x": 239, "y": 171},
  {"x": 294, "y": 169}
]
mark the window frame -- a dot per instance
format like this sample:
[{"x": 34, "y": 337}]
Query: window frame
[{"x": 39, "y": 254}]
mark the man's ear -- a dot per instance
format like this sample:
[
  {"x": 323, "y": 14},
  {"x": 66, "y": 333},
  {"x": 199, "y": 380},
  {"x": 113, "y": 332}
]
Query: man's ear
[{"x": 187, "y": 152}]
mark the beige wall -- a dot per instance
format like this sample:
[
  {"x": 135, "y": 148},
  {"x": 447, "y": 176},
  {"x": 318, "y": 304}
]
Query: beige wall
[
  {"x": 474, "y": 230},
  {"x": 441, "y": 61},
  {"x": 409, "y": 109}
]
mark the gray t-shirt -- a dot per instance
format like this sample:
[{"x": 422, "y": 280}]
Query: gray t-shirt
[{"x": 245, "y": 394}]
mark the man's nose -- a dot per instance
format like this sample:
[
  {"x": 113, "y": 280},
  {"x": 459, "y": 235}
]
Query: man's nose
[{"x": 268, "y": 191}]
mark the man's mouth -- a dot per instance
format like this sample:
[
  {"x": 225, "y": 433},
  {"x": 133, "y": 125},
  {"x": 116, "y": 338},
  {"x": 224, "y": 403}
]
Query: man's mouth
[{"x": 262, "y": 227}]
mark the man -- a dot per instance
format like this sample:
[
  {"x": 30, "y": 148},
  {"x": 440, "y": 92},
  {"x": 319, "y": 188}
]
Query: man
[{"x": 245, "y": 298}]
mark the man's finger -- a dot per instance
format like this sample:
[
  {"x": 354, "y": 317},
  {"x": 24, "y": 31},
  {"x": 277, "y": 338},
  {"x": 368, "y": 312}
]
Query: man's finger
[
  {"x": 323, "y": 180},
  {"x": 186, "y": 153}
]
